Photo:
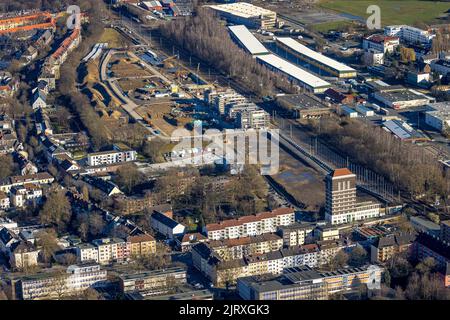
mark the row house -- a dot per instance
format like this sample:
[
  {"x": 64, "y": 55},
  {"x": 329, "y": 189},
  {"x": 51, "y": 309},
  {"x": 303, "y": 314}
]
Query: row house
[
  {"x": 251, "y": 225},
  {"x": 40, "y": 178},
  {"x": 24, "y": 195},
  {"x": 221, "y": 272},
  {"x": 109, "y": 250}
]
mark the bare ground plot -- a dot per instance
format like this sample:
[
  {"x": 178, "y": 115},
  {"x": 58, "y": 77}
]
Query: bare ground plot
[
  {"x": 304, "y": 183},
  {"x": 159, "y": 115},
  {"x": 127, "y": 67}
]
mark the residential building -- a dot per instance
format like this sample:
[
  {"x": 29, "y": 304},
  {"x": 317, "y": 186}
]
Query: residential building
[
  {"x": 409, "y": 34},
  {"x": 154, "y": 282},
  {"x": 305, "y": 283},
  {"x": 386, "y": 247},
  {"x": 166, "y": 225},
  {"x": 381, "y": 43},
  {"x": 141, "y": 245},
  {"x": 57, "y": 283},
  {"x": 39, "y": 100},
  {"x": 231, "y": 249},
  {"x": 428, "y": 246},
  {"x": 340, "y": 202},
  {"x": 23, "y": 254},
  {"x": 39, "y": 178},
  {"x": 327, "y": 233},
  {"x": 111, "y": 250},
  {"x": 220, "y": 271},
  {"x": 251, "y": 225},
  {"x": 373, "y": 57},
  {"x": 26, "y": 194},
  {"x": 253, "y": 119},
  {"x": 296, "y": 234},
  {"x": 4, "y": 201},
  {"x": 118, "y": 154},
  {"x": 186, "y": 241}
]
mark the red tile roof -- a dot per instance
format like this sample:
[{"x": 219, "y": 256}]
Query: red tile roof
[
  {"x": 248, "y": 219},
  {"x": 341, "y": 172}
]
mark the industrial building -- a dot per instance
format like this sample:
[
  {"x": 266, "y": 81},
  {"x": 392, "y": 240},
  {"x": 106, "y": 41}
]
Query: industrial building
[
  {"x": 247, "y": 40},
  {"x": 348, "y": 112},
  {"x": 439, "y": 116},
  {"x": 303, "y": 106},
  {"x": 404, "y": 131},
  {"x": 305, "y": 283},
  {"x": 246, "y": 14},
  {"x": 399, "y": 97},
  {"x": 295, "y": 74},
  {"x": 314, "y": 58},
  {"x": 364, "y": 111}
]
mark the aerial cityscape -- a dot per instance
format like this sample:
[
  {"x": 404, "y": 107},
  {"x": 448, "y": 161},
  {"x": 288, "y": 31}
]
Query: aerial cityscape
[{"x": 224, "y": 150}]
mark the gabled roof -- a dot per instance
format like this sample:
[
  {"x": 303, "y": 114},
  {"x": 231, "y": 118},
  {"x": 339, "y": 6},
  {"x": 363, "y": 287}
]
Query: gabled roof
[{"x": 161, "y": 218}]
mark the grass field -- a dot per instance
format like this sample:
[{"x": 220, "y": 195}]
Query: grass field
[
  {"x": 114, "y": 38},
  {"x": 333, "y": 25},
  {"x": 409, "y": 12}
]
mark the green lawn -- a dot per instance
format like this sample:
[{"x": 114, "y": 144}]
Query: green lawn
[
  {"x": 333, "y": 25},
  {"x": 409, "y": 12}
]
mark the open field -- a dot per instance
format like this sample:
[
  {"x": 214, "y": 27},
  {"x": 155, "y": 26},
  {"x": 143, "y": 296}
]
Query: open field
[
  {"x": 127, "y": 67},
  {"x": 333, "y": 25},
  {"x": 114, "y": 39},
  {"x": 303, "y": 183},
  {"x": 392, "y": 11}
]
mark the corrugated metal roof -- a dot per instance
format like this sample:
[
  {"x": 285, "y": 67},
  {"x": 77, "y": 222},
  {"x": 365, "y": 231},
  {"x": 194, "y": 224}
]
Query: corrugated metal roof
[
  {"x": 302, "y": 49},
  {"x": 248, "y": 40},
  {"x": 293, "y": 71}
]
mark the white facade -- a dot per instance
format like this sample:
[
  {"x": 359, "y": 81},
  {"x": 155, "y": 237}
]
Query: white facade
[
  {"x": 439, "y": 118},
  {"x": 361, "y": 212},
  {"x": 249, "y": 225},
  {"x": 110, "y": 157},
  {"x": 409, "y": 34}
]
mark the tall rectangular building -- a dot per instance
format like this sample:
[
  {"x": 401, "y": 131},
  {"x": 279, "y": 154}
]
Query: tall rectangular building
[
  {"x": 340, "y": 192},
  {"x": 340, "y": 203}
]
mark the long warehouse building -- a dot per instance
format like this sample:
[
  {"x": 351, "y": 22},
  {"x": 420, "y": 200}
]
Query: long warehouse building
[
  {"x": 247, "y": 14},
  {"x": 247, "y": 40},
  {"x": 297, "y": 75},
  {"x": 314, "y": 58}
]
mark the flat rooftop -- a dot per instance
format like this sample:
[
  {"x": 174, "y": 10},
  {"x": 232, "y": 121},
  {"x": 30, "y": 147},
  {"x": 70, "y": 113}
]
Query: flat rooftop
[
  {"x": 242, "y": 9},
  {"x": 294, "y": 71},
  {"x": 302, "y": 101},
  {"x": 440, "y": 110},
  {"x": 304, "y": 50},
  {"x": 248, "y": 40},
  {"x": 402, "y": 130},
  {"x": 402, "y": 95}
]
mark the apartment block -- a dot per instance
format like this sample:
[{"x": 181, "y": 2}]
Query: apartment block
[
  {"x": 296, "y": 234},
  {"x": 386, "y": 247},
  {"x": 117, "y": 155},
  {"x": 252, "y": 225}
]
